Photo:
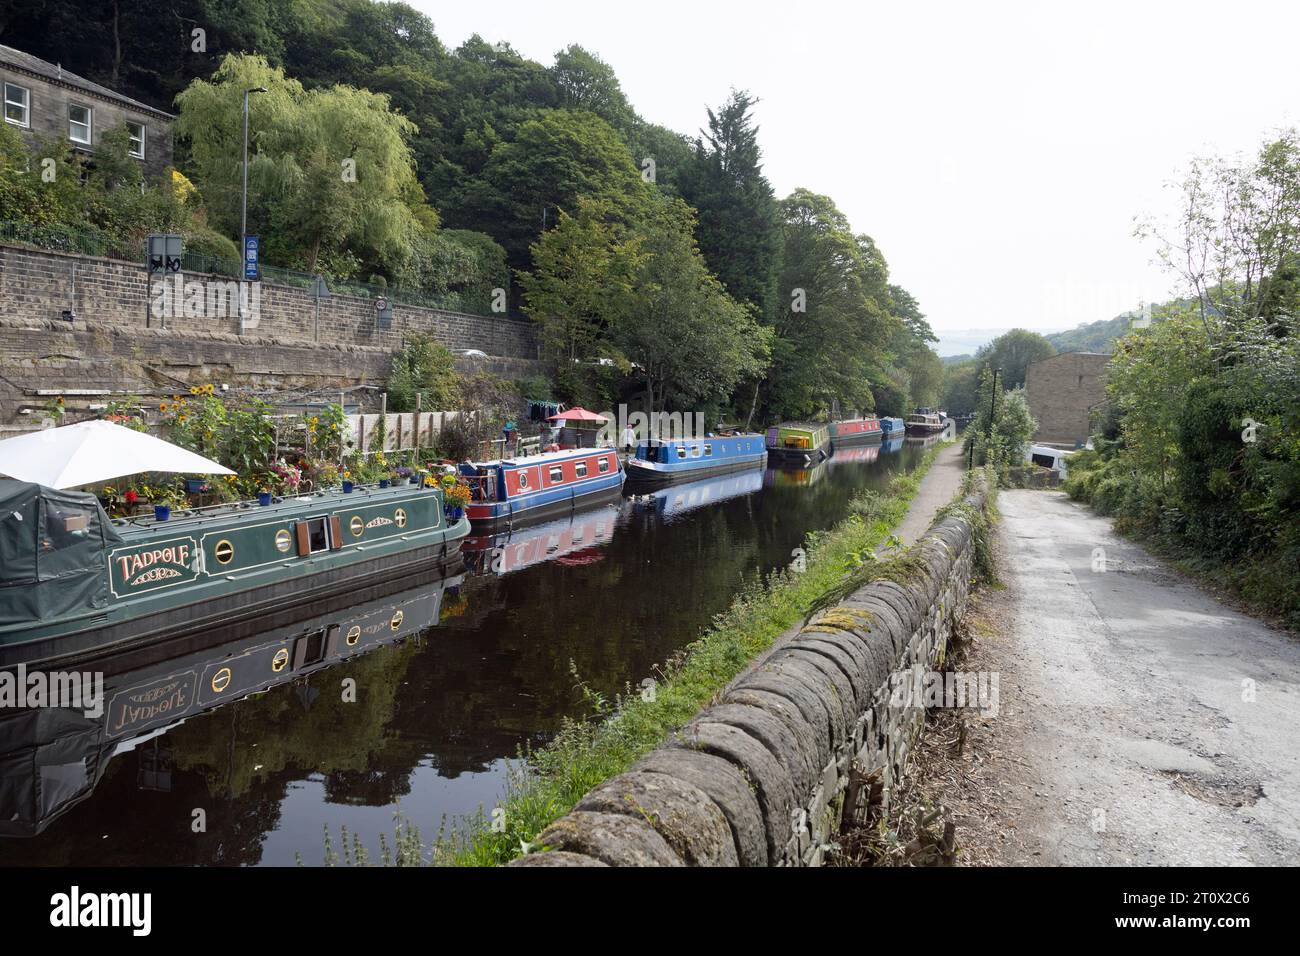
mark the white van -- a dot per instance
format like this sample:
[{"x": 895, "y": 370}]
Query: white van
[{"x": 1046, "y": 456}]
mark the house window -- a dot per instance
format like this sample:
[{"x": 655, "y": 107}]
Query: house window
[
  {"x": 79, "y": 123},
  {"x": 557, "y": 473},
  {"x": 136, "y": 132},
  {"x": 582, "y": 469},
  {"x": 18, "y": 101},
  {"x": 603, "y": 464}
]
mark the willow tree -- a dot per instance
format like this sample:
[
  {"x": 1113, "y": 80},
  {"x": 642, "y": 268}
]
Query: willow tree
[{"x": 330, "y": 169}]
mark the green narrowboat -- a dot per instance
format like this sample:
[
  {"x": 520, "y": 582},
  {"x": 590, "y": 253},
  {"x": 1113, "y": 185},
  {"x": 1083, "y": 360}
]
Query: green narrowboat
[
  {"x": 798, "y": 442},
  {"x": 75, "y": 584}
]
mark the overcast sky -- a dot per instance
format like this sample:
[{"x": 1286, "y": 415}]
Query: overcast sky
[{"x": 997, "y": 152}]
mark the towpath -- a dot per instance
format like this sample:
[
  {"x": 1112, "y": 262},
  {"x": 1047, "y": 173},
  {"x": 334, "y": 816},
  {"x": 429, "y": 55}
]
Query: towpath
[
  {"x": 938, "y": 488},
  {"x": 1141, "y": 721}
]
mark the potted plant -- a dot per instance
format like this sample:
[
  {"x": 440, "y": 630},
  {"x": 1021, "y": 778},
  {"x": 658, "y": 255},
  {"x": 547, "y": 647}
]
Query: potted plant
[
  {"x": 264, "y": 495},
  {"x": 164, "y": 500},
  {"x": 455, "y": 498},
  {"x": 347, "y": 482}
]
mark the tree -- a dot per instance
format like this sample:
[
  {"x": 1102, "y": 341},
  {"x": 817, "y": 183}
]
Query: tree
[
  {"x": 587, "y": 82},
  {"x": 1014, "y": 352},
  {"x": 739, "y": 224},
  {"x": 555, "y": 159},
  {"x": 424, "y": 368},
  {"x": 329, "y": 169},
  {"x": 1000, "y": 435},
  {"x": 959, "y": 387}
]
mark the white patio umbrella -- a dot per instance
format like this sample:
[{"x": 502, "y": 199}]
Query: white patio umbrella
[{"x": 88, "y": 452}]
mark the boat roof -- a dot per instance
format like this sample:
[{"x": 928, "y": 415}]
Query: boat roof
[
  {"x": 546, "y": 456},
  {"x": 810, "y": 425},
  {"x": 710, "y": 437}
]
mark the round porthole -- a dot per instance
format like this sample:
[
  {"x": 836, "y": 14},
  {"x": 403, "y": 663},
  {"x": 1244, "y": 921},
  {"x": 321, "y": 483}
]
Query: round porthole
[
  {"x": 283, "y": 540},
  {"x": 400, "y": 518},
  {"x": 354, "y": 635},
  {"x": 224, "y": 552},
  {"x": 221, "y": 680},
  {"x": 280, "y": 660},
  {"x": 396, "y": 622},
  {"x": 356, "y": 526}
]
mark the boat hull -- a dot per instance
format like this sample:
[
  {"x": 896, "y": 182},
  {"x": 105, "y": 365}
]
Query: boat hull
[
  {"x": 657, "y": 475},
  {"x": 926, "y": 429},
  {"x": 794, "y": 456},
  {"x": 859, "y": 438},
  {"x": 545, "y": 504},
  {"x": 233, "y": 609}
]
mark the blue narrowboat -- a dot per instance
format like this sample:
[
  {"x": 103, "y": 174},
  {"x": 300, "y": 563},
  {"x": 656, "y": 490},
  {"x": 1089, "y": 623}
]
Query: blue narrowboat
[
  {"x": 685, "y": 459},
  {"x": 890, "y": 427},
  {"x": 540, "y": 485}
]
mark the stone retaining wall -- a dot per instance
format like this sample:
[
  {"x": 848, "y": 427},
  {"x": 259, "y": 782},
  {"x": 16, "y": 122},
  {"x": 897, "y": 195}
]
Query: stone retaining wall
[{"x": 803, "y": 743}]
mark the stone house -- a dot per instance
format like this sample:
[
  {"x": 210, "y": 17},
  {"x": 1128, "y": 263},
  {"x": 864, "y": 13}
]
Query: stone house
[
  {"x": 43, "y": 101},
  {"x": 1063, "y": 391}
]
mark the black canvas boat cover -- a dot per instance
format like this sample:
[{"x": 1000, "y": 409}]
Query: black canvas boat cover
[{"x": 53, "y": 548}]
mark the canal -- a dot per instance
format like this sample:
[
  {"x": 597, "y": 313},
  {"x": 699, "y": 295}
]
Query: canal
[{"x": 465, "y": 670}]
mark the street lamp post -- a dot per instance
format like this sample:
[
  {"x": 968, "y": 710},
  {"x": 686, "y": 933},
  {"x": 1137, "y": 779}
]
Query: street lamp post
[
  {"x": 243, "y": 215},
  {"x": 988, "y": 432}
]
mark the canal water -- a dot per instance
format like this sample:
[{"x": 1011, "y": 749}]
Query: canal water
[{"x": 462, "y": 671}]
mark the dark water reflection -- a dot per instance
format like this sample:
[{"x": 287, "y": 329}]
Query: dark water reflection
[{"x": 438, "y": 709}]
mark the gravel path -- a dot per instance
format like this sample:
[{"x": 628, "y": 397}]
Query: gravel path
[
  {"x": 1143, "y": 722},
  {"x": 937, "y": 489}
]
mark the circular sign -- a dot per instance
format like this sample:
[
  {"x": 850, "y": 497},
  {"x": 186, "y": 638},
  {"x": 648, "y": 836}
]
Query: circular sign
[
  {"x": 224, "y": 552},
  {"x": 381, "y": 304},
  {"x": 354, "y": 635},
  {"x": 280, "y": 660},
  {"x": 283, "y": 540},
  {"x": 400, "y": 518},
  {"x": 221, "y": 680},
  {"x": 356, "y": 526},
  {"x": 396, "y": 622}
]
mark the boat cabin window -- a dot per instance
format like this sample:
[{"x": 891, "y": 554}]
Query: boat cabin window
[
  {"x": 523, "y": 479},
  {"x": 708, "y": 450},
  {"x": 681, "y": 451},
  {"x": 582, "y": 469},
  {"x": 695, "y": 451},
  {"x": 557, "y": 473},
  {"x": 603, "y": 464}
]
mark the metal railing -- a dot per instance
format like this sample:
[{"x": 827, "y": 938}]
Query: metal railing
[{"x": 89, "y": 241}]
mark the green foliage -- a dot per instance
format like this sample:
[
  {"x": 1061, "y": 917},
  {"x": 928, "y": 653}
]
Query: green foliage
[
  {"x": 1013, "y": 352},
  {"x": 960, "y": 387},
  {"x": 999, "y": 435},
  {"x": 424, "y": 368}
]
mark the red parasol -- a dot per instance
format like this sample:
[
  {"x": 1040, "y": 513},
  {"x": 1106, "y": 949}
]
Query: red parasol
[{"x": 577, "y": 415}]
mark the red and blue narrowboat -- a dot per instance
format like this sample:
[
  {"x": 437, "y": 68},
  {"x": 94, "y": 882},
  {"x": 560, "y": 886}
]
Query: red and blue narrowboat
[
  {"x": 543, "y": 485},
  {"x": 855, "y": 431},
  {"x": 686, "y": 459}
]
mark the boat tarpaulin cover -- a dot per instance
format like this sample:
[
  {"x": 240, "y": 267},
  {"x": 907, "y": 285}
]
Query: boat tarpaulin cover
[
  {"x": 50, "y": 758},
  {"x": 52, "y": 552}
]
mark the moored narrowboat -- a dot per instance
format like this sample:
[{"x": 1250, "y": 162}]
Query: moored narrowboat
[
  {"x": 855, "y": 431},
  {"x": 803, "y": 442},
  {"x": 892, "y": 427},
  {"x": 75, "y": 584},
  {"x": 925, "y": 422},
  {"x": 540, "y": 485},
  {"x": 687, "y": 459}
]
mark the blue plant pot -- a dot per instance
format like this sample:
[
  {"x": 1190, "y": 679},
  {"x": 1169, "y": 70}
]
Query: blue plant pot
[
  {"x": 161, "y": 512},
  {"x": 347, "y": 487},
  {"x": 384, "y": 482},
  {"x": 263, "y": 498},
  {"x": 415, "y": 479}
]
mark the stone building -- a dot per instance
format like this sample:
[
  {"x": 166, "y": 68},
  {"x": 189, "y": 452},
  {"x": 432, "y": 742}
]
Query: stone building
[
  {"x": 1063, "y": 391},
  {"x": 43, "y": 101}
]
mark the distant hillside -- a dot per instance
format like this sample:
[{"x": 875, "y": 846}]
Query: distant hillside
[
  {"x": 1095, "y": 336},
  {"x": 954, "y": 359}
]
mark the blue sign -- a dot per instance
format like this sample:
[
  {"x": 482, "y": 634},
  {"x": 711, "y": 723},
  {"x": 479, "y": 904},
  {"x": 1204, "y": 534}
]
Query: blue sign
[{"x": 251, "y": 248}]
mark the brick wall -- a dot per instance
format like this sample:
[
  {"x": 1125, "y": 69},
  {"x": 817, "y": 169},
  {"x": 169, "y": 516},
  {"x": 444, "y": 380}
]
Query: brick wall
[
  {"x": 109, "y": 292},
  {"x": 1062, "y": 391}
]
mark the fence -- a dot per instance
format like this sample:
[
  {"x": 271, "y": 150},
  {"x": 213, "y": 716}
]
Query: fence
[{"x": 89, "y": 241}]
